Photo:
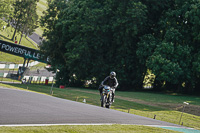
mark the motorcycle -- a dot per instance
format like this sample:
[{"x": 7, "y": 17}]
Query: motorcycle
[{"x": 106, "y": 96}]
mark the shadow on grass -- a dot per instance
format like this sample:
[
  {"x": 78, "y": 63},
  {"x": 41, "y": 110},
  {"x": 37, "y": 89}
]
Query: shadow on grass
[{"x": 5, "y": 37}]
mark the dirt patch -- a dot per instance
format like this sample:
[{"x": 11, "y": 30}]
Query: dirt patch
[{"x": 190, "y": 109}]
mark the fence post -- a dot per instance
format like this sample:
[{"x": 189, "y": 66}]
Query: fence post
[{"x": 185, "y": 104}]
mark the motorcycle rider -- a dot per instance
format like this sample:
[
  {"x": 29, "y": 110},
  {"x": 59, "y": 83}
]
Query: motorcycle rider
[{"x": 111, "y": 81}]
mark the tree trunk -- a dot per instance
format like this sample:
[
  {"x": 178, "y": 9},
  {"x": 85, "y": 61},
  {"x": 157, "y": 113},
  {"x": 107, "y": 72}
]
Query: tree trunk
[
  {"x": 172, "y": 87},
  {"x": 21, "y": 39},
  {"x": 157, "y": 85},
  {"x": 14, "y": 34}
]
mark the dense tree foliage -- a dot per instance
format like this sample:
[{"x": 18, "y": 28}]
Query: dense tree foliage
[
  {"x": 25, "y": 17},
  {"x": 6, "y": 10},
  {"x": 91, "y": 38},
  {"x": 172, "y": 47},
  {"x": 88, "y": 39}
]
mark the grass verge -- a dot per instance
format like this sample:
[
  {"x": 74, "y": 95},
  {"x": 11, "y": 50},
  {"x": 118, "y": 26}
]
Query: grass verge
[
  {"x": 9, "y": 80},
  {"x": 86, "y": 129},
  {"x": 153, "y": 97}
]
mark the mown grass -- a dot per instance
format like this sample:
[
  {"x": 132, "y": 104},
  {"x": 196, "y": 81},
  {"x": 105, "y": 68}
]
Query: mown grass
[
  {"x": 41, "y": 6},
  {"x": 8, "y": 58},
  {"x": 7, "y": 34},
  {"x": 92, "y": 97},
  {"x": 9, "y": 80},
  {"x": 86, "y": 129},
  {"x": 162, "y": 98}
]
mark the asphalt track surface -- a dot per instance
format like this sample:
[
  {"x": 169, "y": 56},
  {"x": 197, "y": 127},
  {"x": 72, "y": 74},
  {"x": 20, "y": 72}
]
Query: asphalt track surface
[{"x": 25, "y": 107}]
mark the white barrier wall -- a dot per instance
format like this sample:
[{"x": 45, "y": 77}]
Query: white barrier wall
[
  {"x": 51, "y": 79},
  {"x": 12, "y": 66},
  {"x": 20, "y": 65},
  {"x": 34, "y": 78},
  {"x": 43, "y": 78},
  {"x": 33, "y": 63},
  {"x": 26, "y": 77},
  {"x": 5, "y": 74},
  {"x": 2, "y": 65}
]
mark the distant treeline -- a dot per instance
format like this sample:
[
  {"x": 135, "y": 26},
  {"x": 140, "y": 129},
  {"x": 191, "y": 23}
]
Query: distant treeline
[{"x": 86, "y": 39}]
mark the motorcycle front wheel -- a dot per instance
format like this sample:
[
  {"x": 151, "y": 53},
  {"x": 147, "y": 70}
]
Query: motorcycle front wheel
[{"x": 108, "y": 106}]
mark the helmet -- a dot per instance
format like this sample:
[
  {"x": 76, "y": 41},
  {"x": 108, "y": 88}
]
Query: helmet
[{"x": 112, "y": 75}]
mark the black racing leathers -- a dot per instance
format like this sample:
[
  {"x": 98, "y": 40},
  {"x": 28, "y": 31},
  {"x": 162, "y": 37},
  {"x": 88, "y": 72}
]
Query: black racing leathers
[{"x": 112, "y": 82}]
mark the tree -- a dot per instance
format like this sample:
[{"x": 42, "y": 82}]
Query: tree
[
  {"x": 6, "y": 10},
  {"x": 88, "y": 39},
  {"x": 173, "y": 59},
  {"x": 91, "y": 38},
  {"x": 53, "y": 48},
  {"x": 25, "y": 16},
  {"x": 30, "y": 23}
]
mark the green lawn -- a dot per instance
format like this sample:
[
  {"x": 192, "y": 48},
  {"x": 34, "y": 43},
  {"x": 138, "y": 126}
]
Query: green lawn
[
  {"x": 9, "y": 80},
  {"x": 162, "y": 98},
  {"x": 8, "y": 58},
  {"x": 86, "y": 129},
  {"x": 92, "y": 97},
  {"x": 7, "y": 34},
  {"x": 41, "y": 6}
]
